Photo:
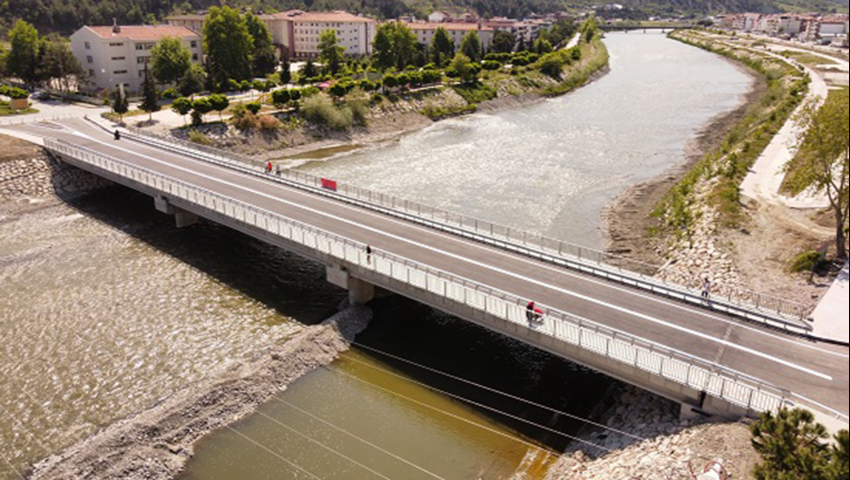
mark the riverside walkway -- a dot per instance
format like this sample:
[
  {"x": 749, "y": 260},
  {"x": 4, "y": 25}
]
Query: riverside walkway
[{"x": 722, "y": 357}]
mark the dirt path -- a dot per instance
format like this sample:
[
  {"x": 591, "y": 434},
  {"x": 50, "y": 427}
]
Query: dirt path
[{"x": 156, "y": 443}]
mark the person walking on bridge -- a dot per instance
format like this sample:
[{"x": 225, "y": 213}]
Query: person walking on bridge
[
  {"x": 706, "y": 288},
  {"x": 529, "y": 311},
  {"x": 369, "y": 254}
]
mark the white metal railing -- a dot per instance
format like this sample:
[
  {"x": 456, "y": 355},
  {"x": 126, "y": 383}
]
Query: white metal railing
[
  {"x": 716, "y": 380},
  {"x": 775, "y": 311}
]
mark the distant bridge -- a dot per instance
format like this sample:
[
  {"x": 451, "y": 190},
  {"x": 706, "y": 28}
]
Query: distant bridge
[{"x": 728, "y": 356}]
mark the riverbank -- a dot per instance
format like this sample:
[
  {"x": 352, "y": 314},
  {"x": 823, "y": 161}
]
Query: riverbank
[
  {"x": 693, "y": 223},
  {"x": 392, "y": 117},
  {"x": 645, "y": 438},
  {"x": 156, "y": 443}
]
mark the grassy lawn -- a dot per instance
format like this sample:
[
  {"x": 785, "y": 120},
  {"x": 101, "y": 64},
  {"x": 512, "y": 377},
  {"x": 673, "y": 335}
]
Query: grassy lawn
[
  {"x": 114, "y": 117},
  {"x": 808, "y": 59},
  {"x": 5, "y": 111}
]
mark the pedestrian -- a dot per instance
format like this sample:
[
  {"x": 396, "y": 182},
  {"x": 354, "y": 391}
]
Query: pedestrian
[
  {"x": 278, "y": 170},
  {"x": 117, "y": 135},
  {"x": 706, "y": 288},
  {"x": 529, "y": 312},
  {"x": 369, "y": 254},
  {"x": 269, "y": 167}
]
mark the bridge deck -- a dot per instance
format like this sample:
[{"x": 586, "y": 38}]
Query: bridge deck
[{"x": 815, "y": 371}]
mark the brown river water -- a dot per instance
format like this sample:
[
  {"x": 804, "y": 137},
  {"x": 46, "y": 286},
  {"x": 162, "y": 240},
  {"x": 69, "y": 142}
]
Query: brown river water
[{"x": 105, "y": 307}]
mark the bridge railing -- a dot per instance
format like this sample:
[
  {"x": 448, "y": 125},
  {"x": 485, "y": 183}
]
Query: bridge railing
[
  {"x": 679, "y": 367},
  {"x": 774, "y": 311}
]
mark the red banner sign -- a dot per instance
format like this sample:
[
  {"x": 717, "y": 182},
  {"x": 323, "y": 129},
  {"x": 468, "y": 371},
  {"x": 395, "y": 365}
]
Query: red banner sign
[{"x": 329, "y": 184}]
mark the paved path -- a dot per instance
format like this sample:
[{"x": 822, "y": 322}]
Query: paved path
[
  {"x": 815, "y": 371},
  {"x": 832, "y": 315}
]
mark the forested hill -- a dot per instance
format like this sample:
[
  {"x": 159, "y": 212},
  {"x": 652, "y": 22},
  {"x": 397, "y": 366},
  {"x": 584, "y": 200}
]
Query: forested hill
[{"x": 65, "y": 16}]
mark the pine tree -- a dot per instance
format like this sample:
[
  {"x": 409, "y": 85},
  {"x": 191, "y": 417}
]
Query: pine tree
[
  {"x": 120, "y": 105},
  {"x": 150, "y": 97}
]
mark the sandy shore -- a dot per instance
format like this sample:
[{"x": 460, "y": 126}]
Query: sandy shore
[
  {"x": 627, "y": 220},
  {"x": 156, "y": 443}
]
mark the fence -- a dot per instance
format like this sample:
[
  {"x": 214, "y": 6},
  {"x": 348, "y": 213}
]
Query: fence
[
  {"x": 734, "y": 388},
  {"x": 775, "y": 311}
]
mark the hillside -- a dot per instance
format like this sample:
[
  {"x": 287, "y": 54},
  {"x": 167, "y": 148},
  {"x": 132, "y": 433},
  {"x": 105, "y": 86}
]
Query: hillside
[{"x": 65, "y": 16}]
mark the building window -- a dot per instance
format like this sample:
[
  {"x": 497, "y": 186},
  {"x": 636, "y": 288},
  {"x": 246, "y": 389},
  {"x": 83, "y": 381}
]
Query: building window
[
  {"x": 194, "y": 57},
  {"x": 119, "y": 72},
  {"x": 116, "y": 44},
  {"x": 91, "y": 72},
  {"x": 194, "y": 44},
  {"x": 141, "y": 60},
  {"x": 118, "y": 59},
  {"x": 88, "y": 46},
  {"x": 89, "y": 59}
]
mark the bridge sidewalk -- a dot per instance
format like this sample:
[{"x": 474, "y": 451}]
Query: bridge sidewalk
[{"x": 830, "y": 317}]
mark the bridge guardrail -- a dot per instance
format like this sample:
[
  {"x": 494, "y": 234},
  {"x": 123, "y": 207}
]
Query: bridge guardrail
[
  {"x": 736, "y": 388},
  {"x": 773, "y": 311}
]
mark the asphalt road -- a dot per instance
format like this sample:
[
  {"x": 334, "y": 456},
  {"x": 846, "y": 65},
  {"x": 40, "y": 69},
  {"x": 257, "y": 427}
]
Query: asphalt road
[{"x": 817, "y": 372}]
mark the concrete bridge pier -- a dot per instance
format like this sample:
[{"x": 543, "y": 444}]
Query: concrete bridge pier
[
  {"x": 182, "y": 218},
  {"x": 360, "y": 292}
]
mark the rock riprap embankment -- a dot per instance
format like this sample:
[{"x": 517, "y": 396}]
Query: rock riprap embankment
[{"x": 37, "y": 176}]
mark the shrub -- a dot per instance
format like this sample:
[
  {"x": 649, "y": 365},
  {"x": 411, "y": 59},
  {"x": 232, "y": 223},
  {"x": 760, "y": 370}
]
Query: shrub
[
  {"x": 234, "y": 86},
  {"x": 18, "y": 93},
  {"x": 199, "y": 138},
  {"x": 254, "y": 107},
  {"x": 806, "y": 262},
  {"x": 358, "y": 103},
  {"x": 320, "y": 110},
  {"x": 170, "y": 93},
  {"x": 281, "y": 98},
  {"x": 491, "y": 65},
  {"x": 4, "y": 90},
  {"x": 246, "y": 122},
  {"x": 552, "y": 65},
  {"x": 269, "y": 123}
]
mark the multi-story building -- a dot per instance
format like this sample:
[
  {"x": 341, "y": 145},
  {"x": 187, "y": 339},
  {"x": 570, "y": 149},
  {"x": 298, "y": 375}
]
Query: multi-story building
[
  {"x": 117, "y": 55},
  {"x": 425, "y": 32},
  {"x": 296, "y": 33}
]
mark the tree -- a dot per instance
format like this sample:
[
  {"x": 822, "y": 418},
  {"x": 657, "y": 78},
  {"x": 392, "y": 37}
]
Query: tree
[
  {"x": 793, "y": 446},
  {"x": 471, "y": 46},
  {"x": 822, "y": 161},
  {"x": 285, "y": 72},
  {"x": 331, "y": 53},
  {"x": 394, "y": 45},
  {"x": 58, "y": 64},
  {"x": 219, "y": 102},
  {"x": 170, "y": 61},
  {"x": 120, "y": 105},
  {"x": 228, "y": 45},
  {"x": 562, "y": 31},
  {"x": 543, "y": 47},
  {"x": 309, "y": 70},
  {"x": 263, "y": 57},
  {"x": 150, "y": 97},
  {"x": 462, "y": 66},
  {"x": 182, "y": 106},
  {"x": 193, "y": 81},
  {"x": 201, "y": 107},
  {"x": 23, "y": 59},
  {"x": 504, "y": 42},
  {"x": 281, "y": 97},
  {"x": 4, "y": 56},
  {"x": 442, "y": 47},
  {"x": 552, "y": 65}
]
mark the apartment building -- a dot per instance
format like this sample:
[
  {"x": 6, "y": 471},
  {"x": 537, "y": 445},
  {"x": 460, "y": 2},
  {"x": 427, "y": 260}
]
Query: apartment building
[
  {"x": 296, "y": 33},
  {"x": 425, "y": 32},
  {"x": 117, "y": 55}
]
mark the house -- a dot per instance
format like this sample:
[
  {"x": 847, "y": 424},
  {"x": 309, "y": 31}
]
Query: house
[
  {"x": 193, "y": 21},
  {"x": 425, "y": 32},
  {"x": 118, "y": 55},
  {"x": 832, "y": 26},
  {"x": 439, "y": 17}
]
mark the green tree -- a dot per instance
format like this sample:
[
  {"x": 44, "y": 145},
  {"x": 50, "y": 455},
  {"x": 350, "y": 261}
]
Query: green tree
[
  {"x": 310, "y": 70},
  {"x": 23, "y": 59},
  {"x": 170, "y": 61},
  {"x": 331, "y": 53},
  {"x": 150, "y": 97},
  {"x": 442, "y": 47},
  {"x": 791, "y": 445},
  {"x": 285, "y": 72},
  {"x": 201, "y": 107},
  {"x": 463, "y": 68},
  {"x": 58, "y": 65},
  {"x": 182, "y": 106},
  {"x": 543, "y": 47},
  {"x": 552, "y": 65},
  {"x": 193, "y": 80},
  {"x": 280, "y": 98},
  {"x": 263, "y": 57},
  {"x": 120, "y": 105},
  {"x": 228, "y": 45},
  {"x": 822, "y": 161},
  {"x": 839, "y": 462},
  {"x": 219, "y": 103},
  {"x": 504, "y": 42},
  {"x": 4, "y": 56},
  {"x": 395, "y": 45},
  {"x": 471, "y": 46}
]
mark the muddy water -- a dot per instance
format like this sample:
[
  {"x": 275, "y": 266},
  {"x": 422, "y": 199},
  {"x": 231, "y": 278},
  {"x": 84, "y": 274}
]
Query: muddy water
[{"x": 552, "y": 168}]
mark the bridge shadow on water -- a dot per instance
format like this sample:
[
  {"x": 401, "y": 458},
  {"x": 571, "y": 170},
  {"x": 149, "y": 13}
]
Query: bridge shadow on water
[{"x": 297, "y": 288}]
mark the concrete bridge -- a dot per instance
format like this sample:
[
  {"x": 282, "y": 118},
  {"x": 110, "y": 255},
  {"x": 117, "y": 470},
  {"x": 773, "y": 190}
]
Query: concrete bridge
[{"x": 733, "y": 356}]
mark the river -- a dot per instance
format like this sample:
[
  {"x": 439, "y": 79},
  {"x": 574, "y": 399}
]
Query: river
[{"x": 105, "y": 307}]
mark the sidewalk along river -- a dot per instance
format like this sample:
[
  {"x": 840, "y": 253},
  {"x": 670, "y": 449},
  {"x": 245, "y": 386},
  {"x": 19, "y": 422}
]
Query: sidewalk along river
[{"x": 552, "y": 168}]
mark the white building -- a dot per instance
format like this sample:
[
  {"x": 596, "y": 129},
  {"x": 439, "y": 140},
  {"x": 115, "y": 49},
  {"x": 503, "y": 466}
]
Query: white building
[
  {"x": 117, "y": 55},
  {"x": 425, "y": 32},
  {"x": 439, "y": 17}
]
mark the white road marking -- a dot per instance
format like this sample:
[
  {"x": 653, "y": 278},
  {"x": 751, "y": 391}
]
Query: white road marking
[{"x": 485, "y": 266}]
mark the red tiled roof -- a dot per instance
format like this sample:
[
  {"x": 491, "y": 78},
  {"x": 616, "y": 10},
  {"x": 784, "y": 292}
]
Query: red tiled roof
[
  {"x": 144, "y": 32},
  {"x": 448, "y": 26},
  {"x": 334, "y": 17}
]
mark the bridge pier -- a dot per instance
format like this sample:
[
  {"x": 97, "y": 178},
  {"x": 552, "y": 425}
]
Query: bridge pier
[
  {"x": 182, "y": 218},
  {"x": 360, "y": 292}
]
